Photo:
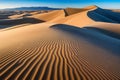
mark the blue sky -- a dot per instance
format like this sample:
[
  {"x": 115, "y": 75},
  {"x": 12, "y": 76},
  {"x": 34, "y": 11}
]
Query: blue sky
[{"x": 59, "y": 3}]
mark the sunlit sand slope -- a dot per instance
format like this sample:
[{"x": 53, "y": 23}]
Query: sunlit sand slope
[
  {"x": 53, "y": 15},
  {"x": 56, "y": 52}
]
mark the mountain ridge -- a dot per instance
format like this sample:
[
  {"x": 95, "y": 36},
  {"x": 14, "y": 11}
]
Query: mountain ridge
[{"x": 31, "y": 8}]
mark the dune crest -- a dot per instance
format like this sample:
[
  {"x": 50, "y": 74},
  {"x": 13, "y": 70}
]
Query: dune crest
[{"x": 70, "y": 11}]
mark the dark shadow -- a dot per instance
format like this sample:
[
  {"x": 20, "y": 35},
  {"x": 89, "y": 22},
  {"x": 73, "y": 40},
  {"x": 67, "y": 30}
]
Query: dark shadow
[
  {"x": 5, "y": 26},
  {"x": 102, "y": 38},
  {"x": 14, "y": 22},
  {"x": 105, "y": 32},
  {"x": 70, "y": 11},
  {"x": 4, "y": 16},
  {"x": 104, "y": 15},
  {"x": 66, "y": 14}
]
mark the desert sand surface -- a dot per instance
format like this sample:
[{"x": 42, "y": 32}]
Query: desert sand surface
[{"x": 69, "y": 44}]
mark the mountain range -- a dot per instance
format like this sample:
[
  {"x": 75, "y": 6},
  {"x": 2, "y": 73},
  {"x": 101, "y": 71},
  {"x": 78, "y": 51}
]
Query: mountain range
[{"x": 31, "y": 8}]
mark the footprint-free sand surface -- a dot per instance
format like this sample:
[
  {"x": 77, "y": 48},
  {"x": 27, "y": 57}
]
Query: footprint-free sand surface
[{"x": 61, "y": 48}]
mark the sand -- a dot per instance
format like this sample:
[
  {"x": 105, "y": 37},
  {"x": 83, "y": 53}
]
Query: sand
[
  {"x": 53, "y": 15},
  {"x": 17, "y": 16},
  {"x": 72, "y": 47}
]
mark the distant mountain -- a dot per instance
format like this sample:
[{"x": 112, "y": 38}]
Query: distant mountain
[{"x": 31, "y": 8}]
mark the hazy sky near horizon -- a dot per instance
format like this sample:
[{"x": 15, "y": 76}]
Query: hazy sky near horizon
[{"x": 59, "y": 3}]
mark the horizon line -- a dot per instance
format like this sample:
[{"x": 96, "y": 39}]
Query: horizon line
[{"x": 51, "y": 7}]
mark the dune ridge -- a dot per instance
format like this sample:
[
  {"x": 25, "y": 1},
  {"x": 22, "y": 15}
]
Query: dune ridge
[{"x": 70, "y": 11}]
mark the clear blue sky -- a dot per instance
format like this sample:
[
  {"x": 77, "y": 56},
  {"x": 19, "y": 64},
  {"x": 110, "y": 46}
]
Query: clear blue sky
[{"x": 59, "y": 3}]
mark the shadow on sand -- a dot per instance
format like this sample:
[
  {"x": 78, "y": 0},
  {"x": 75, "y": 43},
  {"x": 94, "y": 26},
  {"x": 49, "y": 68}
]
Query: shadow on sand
[
  {"x": 8, "y": 22},
  {"x": 4, "y": 16},
  {"x": 104, "y": 15},
  {"x": 102, "y": 38}
]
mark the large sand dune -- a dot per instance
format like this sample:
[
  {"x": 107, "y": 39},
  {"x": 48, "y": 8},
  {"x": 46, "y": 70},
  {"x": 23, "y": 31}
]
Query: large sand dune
[
  {"x": 77, "y": 17},
  {"x": 89, "y": 15},
  {"x": 69, "y": 45}
]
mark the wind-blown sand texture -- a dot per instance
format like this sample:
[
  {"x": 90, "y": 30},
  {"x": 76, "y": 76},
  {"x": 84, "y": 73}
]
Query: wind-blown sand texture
[{"x": 72, "y": 47}]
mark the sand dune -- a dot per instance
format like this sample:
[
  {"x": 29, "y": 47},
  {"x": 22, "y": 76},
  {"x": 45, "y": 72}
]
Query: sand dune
[
  {"x": 76, "y": 19},
  {"x": 7, "y": 14},
  {"x": 13, "y": 22},
  {"x": 17, "y": 16},
  {"x": 76, "y": 46},
  {"x": 68, "y": 16},
  {"x": 26, "y": 14},
  {"x": 53, "y": 15},
  {"x": 75, "y": 16},
  {"x": 35, "y": 12},
  {"x": 87, "y": 16}
]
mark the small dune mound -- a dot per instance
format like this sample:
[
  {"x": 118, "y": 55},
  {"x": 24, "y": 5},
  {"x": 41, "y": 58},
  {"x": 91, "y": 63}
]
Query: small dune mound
[
  {"x": 38, "y": 12},
  {"x": 19, "y": 15},
  {"x": 35, "y": 12},
  {"x": 16, "y": 16}
]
